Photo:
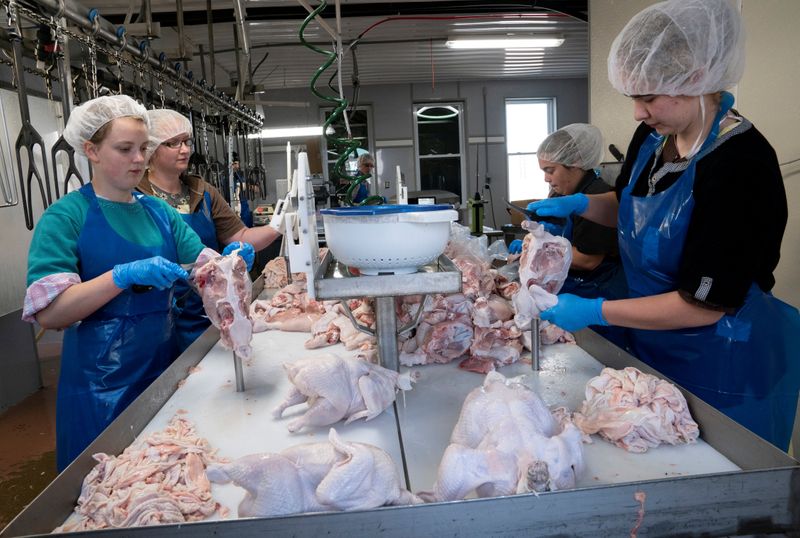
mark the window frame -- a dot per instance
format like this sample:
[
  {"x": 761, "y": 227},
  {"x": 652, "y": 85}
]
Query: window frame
[
  {"x": 460, "y": 105},
  {"x": 323, "y": 148},
  {"x": 552, "y": 121}
]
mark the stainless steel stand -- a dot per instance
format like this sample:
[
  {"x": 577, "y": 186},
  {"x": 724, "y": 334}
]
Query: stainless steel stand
[
  {"x": 536, "y": 344},
  {"x": 237, "y": 368}
]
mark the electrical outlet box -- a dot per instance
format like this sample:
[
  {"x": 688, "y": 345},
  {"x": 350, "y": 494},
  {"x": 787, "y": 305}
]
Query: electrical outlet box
[{"x": 387, "y": 184}]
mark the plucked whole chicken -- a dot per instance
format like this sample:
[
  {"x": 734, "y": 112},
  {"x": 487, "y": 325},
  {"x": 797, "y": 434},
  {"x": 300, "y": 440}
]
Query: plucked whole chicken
[
  {"x": 506, "y": 442},
  {"x": 315, "y": 477},
  {"x": 339, "y": 388}
]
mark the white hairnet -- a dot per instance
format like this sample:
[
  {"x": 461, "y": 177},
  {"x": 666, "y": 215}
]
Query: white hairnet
[
  {"x": 85, "y": 120},
  {"x": 577, "y": 144},
  {"x": 679, "y": 47},
  {"x": 164, "y": 125}
]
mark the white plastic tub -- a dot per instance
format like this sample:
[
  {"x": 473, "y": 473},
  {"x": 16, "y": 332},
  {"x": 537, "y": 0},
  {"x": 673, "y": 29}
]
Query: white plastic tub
[{"x": 388, "y": 239}]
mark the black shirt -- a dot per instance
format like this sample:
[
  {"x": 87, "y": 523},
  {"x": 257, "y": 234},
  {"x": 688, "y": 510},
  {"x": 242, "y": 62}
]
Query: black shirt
[
  {"x": 589, "y": 237},
  {"x": 740, "y": 212}
]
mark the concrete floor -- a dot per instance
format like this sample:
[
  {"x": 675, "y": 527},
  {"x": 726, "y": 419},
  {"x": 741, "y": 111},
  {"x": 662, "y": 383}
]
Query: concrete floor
[{"x": 28, "y": 431}]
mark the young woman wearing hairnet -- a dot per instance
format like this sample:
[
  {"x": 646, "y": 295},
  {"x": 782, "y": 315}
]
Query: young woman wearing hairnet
[
  {"x": 699, "y": 272},
  {"x": 568, "y": 157},
  {"x": 102, "y": 264},
  {"x": 201, "y": 206}
]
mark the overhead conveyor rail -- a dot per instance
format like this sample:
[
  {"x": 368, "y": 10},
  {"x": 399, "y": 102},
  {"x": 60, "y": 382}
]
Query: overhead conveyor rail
[
  {"x": 109, "y": 62},
  {"x": 114, "y": 42}
]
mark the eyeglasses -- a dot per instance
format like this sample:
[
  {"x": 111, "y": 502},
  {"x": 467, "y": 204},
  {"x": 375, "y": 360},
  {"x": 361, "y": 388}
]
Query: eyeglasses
[{"x": 175, "y": 144}]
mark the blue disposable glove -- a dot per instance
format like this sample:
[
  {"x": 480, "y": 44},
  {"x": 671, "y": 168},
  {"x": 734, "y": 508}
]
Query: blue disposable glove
[
  {"x": 157, "y": 272},
  {"x": 515, "y": 247},
  {"x": 247, "y": 252},
  {"x": 560, "y": 206},
  {"x": 553, "y": 229},
  {"x": 573, "y": 313}
]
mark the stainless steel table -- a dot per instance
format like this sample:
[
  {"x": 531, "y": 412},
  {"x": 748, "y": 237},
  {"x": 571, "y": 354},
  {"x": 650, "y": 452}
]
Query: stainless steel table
[{"x": 733, "y": 483}]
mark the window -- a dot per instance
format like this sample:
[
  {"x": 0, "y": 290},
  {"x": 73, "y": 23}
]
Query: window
[
  {"x": 438, "y": 139},
  {"x": 528, "y": 122},
  {"x": 361, "y": 129}
]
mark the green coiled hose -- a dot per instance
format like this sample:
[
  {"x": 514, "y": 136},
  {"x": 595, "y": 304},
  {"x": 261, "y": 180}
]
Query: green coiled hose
[{"x": 349, "y": 145}]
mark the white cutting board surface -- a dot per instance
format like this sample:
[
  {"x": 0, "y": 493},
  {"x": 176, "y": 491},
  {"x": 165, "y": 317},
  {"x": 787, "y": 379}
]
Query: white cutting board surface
[
  {"x": 428, "y": 413},
  {"x": 238, "y": 424}
]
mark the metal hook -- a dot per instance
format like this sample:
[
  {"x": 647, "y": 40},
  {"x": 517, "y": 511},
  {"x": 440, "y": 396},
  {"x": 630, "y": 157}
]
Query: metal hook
[
  {"x": 94, "y": 18},
  {"x": 144, "y": 53},
  {"x": 122, "y": 36},
  {"x": 62, "y": 7}
]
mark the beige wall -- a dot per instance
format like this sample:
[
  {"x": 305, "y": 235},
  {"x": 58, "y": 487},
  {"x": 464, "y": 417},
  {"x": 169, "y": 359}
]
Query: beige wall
[{"x": 767, "y": 94}]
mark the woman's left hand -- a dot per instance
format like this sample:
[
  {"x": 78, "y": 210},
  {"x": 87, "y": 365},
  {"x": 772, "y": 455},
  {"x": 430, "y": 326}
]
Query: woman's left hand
[{"x": 246, "y": 251}]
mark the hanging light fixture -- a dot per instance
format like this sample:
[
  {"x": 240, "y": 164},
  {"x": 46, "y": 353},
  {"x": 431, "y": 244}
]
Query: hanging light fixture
[{"x": 504, "y": 41}]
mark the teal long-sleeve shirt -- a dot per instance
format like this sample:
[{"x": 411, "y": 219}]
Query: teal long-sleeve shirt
[{"x": 54, "y": 247}]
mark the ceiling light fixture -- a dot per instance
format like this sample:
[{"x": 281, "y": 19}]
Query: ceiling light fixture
[
  {"x": 447, "y": 112},
  {"x": 289, "y": 132},
  {"x": 510, "y": 41}
]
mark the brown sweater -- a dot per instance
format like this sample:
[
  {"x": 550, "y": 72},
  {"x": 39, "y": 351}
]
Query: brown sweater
[{"x": 225, "y": 220}]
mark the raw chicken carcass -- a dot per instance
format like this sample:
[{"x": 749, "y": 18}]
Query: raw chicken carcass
[
  {"x": 339, "y": 388},
  {"x": 315, "y": 477},
  {"x": 275, "y": 273},
  {"x": 545, "y": 258},
  {"x": 635, "y": 411},
  {"x": 507, "y": 441},
  {"x": 336, "y": 326},
  {"x": 543, "y": 268},
  {"x": 289, "y": 310},
  {"x": 226, "y": 289},
  {"x": 444, "y": 332},
  {"x": 492, "y": 347},
  {"x": 488, "y": 310}
]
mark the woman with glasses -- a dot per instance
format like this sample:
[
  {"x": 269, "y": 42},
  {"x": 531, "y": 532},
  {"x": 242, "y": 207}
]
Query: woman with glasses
[
  {"x": 365, "y": 167},
  {"x": 200, "y": 205}
]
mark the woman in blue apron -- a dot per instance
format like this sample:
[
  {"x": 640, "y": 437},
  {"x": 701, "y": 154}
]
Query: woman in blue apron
[
  {"x": 102, "y": 264},
  {"x": 202, "y": 207},
  {"x": 701, "y": 310}
]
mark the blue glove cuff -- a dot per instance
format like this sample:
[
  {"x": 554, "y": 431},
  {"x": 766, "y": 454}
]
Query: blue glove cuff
[
  {"x": 117, "y": 275},
  {"x": 598, "y": 313},
  {"x": 581, "y": 203}
]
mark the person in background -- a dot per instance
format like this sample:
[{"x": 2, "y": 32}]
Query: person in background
[
  {"x": 102, "y": 265},
  {"x": 365, "y": 166},
  {"x": 200, "y": 205},
  {"x": 700, "y": 278},
  {"x": 568, "y": 158},
  {"x": 240, "y": 187}
]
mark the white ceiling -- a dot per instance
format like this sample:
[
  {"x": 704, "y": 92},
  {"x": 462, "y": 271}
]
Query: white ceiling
[{"x": 395, "y": 51}]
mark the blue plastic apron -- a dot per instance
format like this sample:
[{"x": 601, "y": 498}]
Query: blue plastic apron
[
  {"x": 191, "y": 320},
  {"x": 110, "y": 357},
  {"x": 746, "y": 365}
]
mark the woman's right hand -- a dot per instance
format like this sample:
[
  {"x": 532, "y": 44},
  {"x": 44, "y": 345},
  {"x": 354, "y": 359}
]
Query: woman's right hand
[
  {"x": 561, "y": 206},
  {"x": 156, "y": 271}
]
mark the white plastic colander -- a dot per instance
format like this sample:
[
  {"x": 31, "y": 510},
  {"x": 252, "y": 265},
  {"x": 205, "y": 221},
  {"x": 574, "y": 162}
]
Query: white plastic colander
[{"x": 388, "y": 239}]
